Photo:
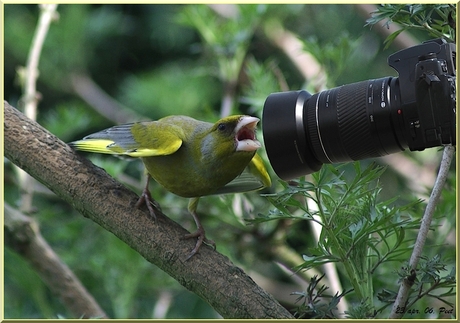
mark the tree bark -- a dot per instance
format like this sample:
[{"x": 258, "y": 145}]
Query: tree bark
[{"x": 100, "y": 198}]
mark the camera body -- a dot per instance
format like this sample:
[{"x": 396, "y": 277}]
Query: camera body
[
  {"x": 373, "y": 118},
  {"x": 427, "y": 82}
]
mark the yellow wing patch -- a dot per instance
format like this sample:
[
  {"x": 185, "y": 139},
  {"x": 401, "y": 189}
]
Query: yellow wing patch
[
  {"x": 100, "y": 146},
  {"x": 144, "y": 139},
  {"x": 161, "y": 151},
  {"x": 257, "y": 168},
  {"x": 103, "y": 146}
]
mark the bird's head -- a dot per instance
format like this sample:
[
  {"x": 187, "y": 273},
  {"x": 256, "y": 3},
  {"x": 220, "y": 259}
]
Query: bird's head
[
  {"x": 230, "y": 135},
  {"x": 241, "y": 130}
]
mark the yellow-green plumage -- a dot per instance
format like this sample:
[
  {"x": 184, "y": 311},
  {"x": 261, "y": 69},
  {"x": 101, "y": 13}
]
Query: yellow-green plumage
[{"x": 188, "y": 157}]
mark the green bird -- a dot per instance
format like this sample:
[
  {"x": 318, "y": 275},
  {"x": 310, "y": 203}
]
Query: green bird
[{"x": 189, "y": 158}]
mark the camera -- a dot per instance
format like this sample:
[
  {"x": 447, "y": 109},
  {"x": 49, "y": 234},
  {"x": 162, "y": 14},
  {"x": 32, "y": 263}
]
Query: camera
[{"x": 372, "y": 118}]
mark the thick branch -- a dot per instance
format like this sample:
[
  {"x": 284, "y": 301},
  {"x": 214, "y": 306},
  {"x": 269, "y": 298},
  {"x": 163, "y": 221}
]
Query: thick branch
[
  {"x": 22, "y": 235},
  {"x": 100, "y": 198}
]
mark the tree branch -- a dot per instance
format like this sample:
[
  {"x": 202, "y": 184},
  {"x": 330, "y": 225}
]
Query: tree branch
[
  {"x": 293, "y": 48},
  {"x": 105, "y": 201},
  {"x": 99, "y": 100},
  {"x": 22, "y": 235},
  {"x": 404, "y": 289}
]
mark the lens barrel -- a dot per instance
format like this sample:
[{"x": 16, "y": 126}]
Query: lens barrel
[{"x": 351, "y": 122}]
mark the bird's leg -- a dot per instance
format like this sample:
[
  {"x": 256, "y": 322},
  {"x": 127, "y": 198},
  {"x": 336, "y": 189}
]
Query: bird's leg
[
  {"x": 146, "y": 198},
  {"x": 199, "y": 233}
]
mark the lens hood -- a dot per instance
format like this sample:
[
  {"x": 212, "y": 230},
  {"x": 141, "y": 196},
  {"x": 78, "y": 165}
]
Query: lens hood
[{"x": 284, "y": 135}]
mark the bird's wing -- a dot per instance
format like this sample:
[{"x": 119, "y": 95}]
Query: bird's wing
[
  {"x": 254, "y": 177},
  {"x": 140, "y": 139}
]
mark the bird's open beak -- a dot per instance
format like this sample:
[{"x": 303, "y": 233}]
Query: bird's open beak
[{"x": 246, "y": 134}]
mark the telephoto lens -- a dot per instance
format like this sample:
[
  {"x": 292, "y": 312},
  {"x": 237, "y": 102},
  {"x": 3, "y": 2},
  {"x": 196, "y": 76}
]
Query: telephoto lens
[
  {"x": 351, "y": 122},
  {"x": 372, "y": 118}
]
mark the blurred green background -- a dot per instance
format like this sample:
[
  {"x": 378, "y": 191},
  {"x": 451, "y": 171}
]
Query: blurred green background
[{"x": 158, "y": 60}]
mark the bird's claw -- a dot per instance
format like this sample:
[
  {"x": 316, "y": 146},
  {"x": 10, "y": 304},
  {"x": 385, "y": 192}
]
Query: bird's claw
[
  {"x": 201, "y": 237},
  {"x": 151, "y": 204}
]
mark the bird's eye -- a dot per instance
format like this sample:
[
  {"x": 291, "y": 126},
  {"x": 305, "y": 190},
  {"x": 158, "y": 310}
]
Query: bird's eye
[{"x": 222, "y": 126}]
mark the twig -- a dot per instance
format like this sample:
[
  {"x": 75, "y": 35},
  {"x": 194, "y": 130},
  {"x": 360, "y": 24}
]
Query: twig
[
  {"x": 228, "y": 98},
  {"x": 30, "y": 96},
  {"x": 404, "y": 289},
  {"x": 47, "y": 14}
]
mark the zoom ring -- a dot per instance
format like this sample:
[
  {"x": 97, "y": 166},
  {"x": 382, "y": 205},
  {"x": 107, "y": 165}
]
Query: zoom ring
[{"x": 352, "y": 118}]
